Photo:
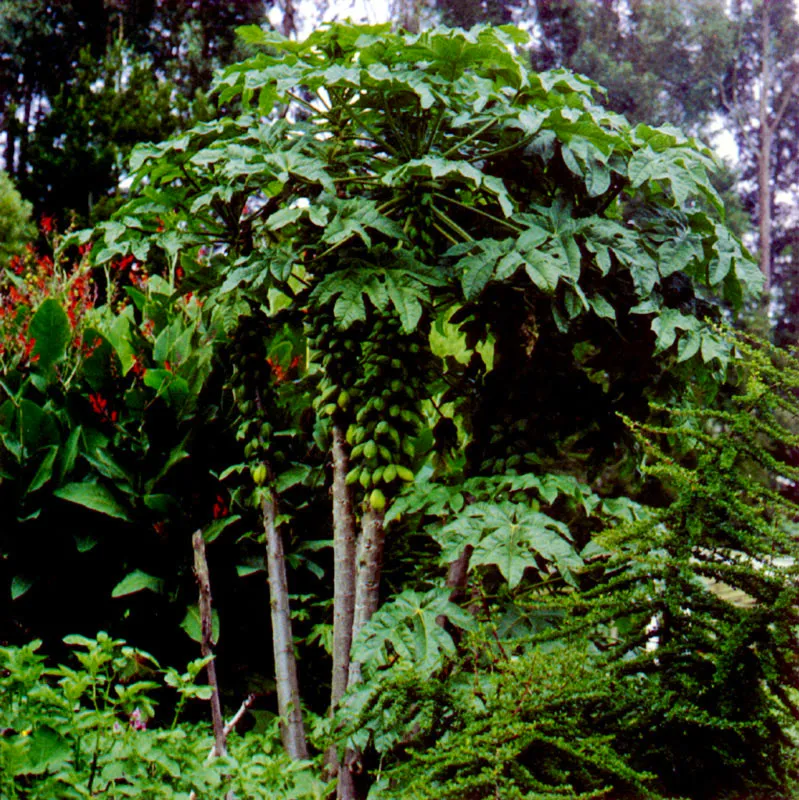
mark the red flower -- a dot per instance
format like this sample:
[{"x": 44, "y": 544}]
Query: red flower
[
  {"x": 220, "y": 507},
  {"x": 137, "y": 367},
  {"x": 46, "y": 224},
  {"x": 100, "y": 407},
  {"x": 17, "y": 265},
  {"x": 45, "y": 264}
]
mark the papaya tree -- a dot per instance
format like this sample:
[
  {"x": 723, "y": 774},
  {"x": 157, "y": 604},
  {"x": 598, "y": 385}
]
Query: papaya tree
[{"x": 454, "y": 275}]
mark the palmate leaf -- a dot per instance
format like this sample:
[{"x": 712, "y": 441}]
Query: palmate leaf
[
  {"x": 435, "y": 168},
  {"x": 510, "y": 536},
  {"x": 353, "y": 217},
  {"x": 406, "y": 287},
  {"x": 407, "y": 627}
]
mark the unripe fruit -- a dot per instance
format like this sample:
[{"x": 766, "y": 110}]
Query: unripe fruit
[
  {"x": 343, "y": 399},
  {"x": 377, "y": 500},
  {"x": 370, "y": 450},
  {"x": 404, "y": 473},
  {"x": 389, "y": 473},
  {"x": 352, "y": 475},
  {"x": 258, "y": 474},
  {"x": 365, "y": 478}
]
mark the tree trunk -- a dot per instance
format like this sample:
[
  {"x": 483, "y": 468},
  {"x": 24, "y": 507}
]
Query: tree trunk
[
  {"x": 343, "y": 594},
  {"x": 367, "y": 596},
  {"x": 344, "y": 560},
  {"x": 764, "y": 155},
  {"x": 367, "y": 580},
  {"x": 288, "y": 689},
  {"x": 207, "y": 642}
]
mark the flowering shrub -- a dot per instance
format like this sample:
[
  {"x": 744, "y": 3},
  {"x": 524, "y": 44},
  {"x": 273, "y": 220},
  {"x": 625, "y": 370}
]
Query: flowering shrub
[
  {"x": 60, "y": 297},
  {"x": 100, "y": 374}
]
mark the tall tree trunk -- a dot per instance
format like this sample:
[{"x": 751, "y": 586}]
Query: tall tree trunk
[
  {"x": 764, "y": 154},
  {"x": 344, "y": 561},
  {"x": 292, "y": 729},
  {"x": 343, "y": 593},
  {"x": 367, "y": 580},
  {"x": 207, "y": 641},
  {"x": 367, "y": 595}
]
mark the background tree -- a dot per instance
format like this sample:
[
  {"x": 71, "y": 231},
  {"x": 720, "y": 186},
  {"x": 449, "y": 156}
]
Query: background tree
[
  {"x": 16, "y": 229},
  {"x": 114, "y": 74},
  {"x": 760, "y": 99}
]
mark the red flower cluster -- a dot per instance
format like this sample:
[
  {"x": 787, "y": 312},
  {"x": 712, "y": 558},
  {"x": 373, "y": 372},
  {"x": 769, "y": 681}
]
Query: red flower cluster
[
  {"x": 221, "y": 509},
  {"x": 282, "y": 373},
  {"x": 100, "y": 407}
]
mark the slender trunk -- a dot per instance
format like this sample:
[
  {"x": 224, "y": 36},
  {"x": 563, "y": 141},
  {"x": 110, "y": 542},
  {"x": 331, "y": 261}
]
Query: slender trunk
[
  {"x": 9, "y": 157},
  {"x": 344, "y": 560},
  {"x": 367, "y": 579},
  {"x": 343, "y": 579},
  {"x": 24, "y": 134},
  {"x": 288, "y": 688},
  {"x": 458, "y": 572},
  {"x": 457, "y": 578},
  {"x": 289, "y": 24},
  {"x": 207, "y": 642},
  {"x": 764, "y": 155},
  {"x": 367, "y": 595}
]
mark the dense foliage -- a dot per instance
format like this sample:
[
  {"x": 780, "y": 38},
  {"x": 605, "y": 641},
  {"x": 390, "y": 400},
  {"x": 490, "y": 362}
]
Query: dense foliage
[{"x": 470, "y": 315}]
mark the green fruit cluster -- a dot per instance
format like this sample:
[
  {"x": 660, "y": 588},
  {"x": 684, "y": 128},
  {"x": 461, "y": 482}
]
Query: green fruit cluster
[
  {"x": 341, "y": 352},
  {"x": 249, "y": 381},
  {"x": 394, "y": 378}
]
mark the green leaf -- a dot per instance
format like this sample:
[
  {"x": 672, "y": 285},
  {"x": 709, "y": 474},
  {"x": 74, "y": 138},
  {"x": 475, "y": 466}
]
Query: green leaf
[
  {"x": 19, "y": 585},
  {"x": 192, "y": 624},
  {"x": 408, "y": 625},
  {"x": 51, "y": 329},
  {"x": 217, "y": 526},
  {"x": 45, "y": 471},
  {"x": 294, "y": 475},
  {"x": 47, "y": 751},
  {"x": 511, "y": 537},
  {"x": 137, "y": 581},
  {"x": 93, "y": 496},
  {"x": 668, "y": 323}
]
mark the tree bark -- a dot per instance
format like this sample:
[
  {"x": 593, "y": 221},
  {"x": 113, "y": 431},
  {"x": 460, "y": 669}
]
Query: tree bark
[
  {"x": 344, "y": 562},
  {"x": 367, "y": 579},
  {"x": 367, "y": 596},
  {"x": 292, "y": 729},
  {"x": 207, "y": 642},
  {"x": 764, "y": 155},
  {"x": 343, "y": 594}
]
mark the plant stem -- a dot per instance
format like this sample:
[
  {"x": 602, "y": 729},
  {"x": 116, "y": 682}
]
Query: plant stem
[
  {"x": 207, "y": 643},
  {"x": 292, "y": 730},
  {"x": 344, "y": 560},
  {"x": 452, "y": 224},
  {"x": 343, "y": 580},
  {"x": 367, "y": 580},
  {"x": 474, "y": 210},
  {"x": 482, "y": 129}
]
